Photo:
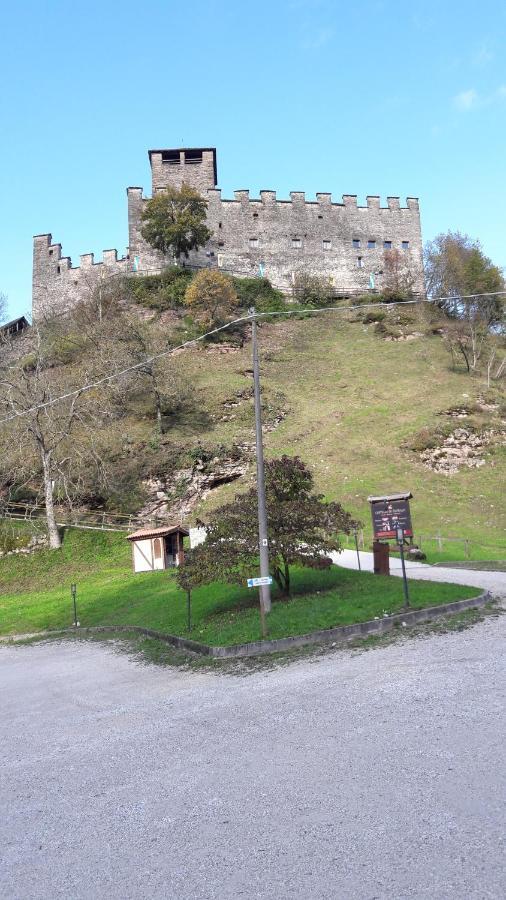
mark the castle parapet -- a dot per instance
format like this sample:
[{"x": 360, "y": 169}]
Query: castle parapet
[
  {"x": 241, "y": 196},
  {"x": 324, "y": 198},
  {"x": 373, "y": 202},
  {"x": 268, "y": 196},
  {"x": 393, "y": 202},
  {"x": 350, "y": 200},
  {"x": 87, "y": 260},
  {"x": 110, "y": 257},
  {"x": 412, "y": 203},
  {"x": 298, "y": 196}
]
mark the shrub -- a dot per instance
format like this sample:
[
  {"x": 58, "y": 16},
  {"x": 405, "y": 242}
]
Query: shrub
[
  {"x": 211, "y": 297},
  {"x": 164, "y": 291},
  {"x": 260, "y": 293}
]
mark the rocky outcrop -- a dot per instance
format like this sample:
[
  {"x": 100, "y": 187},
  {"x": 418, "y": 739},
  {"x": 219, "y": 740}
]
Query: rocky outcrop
[
  {"x": 174, "y": 498},
  {"x": 462, "y": 448}
]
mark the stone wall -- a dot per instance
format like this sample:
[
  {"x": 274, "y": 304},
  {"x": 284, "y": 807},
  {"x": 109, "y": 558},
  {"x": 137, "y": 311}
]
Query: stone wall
[{"x": 251, "y": 236}]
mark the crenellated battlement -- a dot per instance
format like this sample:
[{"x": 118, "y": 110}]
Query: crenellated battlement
[{"x": 275, "y": 236}]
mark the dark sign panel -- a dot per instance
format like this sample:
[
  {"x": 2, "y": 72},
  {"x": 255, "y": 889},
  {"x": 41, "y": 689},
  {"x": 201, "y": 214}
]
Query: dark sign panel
[{"x": 388, "y": 515}]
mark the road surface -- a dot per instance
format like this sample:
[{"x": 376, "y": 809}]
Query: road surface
[
  {"x": 357, "y": 775},
  {"x": 495, "y": 582}
]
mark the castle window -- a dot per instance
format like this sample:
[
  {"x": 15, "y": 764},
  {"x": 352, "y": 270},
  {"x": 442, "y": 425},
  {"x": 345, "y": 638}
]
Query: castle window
[
  {"x": 221, "y": 243},
  {"x": 327, "y": 245},
  {"x": 296, "y": 243},
  {"x": 320, "y": 217},
  {"x": 220, "y": 224},
  {"x": 255, "y": 215},
  {"x": 371, "y": 245},
  {"x": 50, "y": 252},
  {"x": 171, "y": 157},
  {"x": 387, "y": 245},
  {"x": 405, "y": 245},
  {"x": 360, "y": 262},
  {"x": 356, "y": 243},
  {"x": 253, "y": 242},
  {"x": 193, "y": 157}
]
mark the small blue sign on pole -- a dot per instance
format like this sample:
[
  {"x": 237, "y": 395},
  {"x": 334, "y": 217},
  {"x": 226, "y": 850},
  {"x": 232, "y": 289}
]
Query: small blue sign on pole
[{"x": 258, "y": 582}]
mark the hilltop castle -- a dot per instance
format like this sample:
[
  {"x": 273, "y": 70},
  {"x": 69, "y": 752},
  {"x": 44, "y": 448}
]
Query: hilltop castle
[{"x": 250, "y": 236}]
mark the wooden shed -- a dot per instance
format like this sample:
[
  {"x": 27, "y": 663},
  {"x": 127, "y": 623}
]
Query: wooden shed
[{"x": 157, "y": 548}]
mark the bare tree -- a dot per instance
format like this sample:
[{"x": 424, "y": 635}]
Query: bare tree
[
  {"x": 43, "y": 442},
  {"x": 3, "y": 307}
]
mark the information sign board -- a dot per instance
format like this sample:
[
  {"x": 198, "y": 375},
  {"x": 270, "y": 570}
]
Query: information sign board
[{"x": 389, "y": 514}]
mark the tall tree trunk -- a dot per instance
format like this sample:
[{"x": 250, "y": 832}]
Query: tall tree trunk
[
  {"x": 52, "y": 528},
  {"x": 287, "y": 579}
]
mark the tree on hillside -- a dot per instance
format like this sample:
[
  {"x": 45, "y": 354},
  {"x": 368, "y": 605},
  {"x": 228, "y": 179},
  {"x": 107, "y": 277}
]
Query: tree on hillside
[
  {"x": 136, "y": 343},
  {"x": 51, "y": 448},
  {"x": 3, "y": 307},
  {"x": 456, "y": 267},
  {"x": 211, "y": 297},
  {"x": 303, "y": 530},
  {"x": 398, "y": 277},
  {"x": 174, "y": 221},
  {"x": 310, "y": 289}
]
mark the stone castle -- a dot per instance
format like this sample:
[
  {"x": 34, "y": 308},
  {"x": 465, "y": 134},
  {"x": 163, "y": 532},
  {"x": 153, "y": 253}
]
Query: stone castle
[{"x": 250, "y": 236}]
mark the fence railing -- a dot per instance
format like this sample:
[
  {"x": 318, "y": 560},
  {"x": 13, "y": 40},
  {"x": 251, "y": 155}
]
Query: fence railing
[{"x": 101, "y": 521}]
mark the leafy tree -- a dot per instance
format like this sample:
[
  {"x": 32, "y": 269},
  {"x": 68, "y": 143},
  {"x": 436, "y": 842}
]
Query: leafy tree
[
  {"x": 211, "y": 297},
  {"x": 456, "y": 267},
  {"x": 303, "y": 529},
  {"x": 174, "y": 221}
]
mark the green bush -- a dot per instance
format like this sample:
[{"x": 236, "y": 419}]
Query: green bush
[
  {"x": 164, "y": 291},
  {"x": 260, "y": 293}
]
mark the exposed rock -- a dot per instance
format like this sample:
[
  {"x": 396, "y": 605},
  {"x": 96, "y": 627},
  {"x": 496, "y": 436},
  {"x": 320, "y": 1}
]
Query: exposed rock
[
  {"x": 462, "y": 448},
  {"x": 176, "y": 498}
]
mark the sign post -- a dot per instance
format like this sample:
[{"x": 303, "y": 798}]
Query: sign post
[
  {"x": 389, "y": 513},
  {"x": 400, "y": 541},
  {"x": 73, "y": 593}
]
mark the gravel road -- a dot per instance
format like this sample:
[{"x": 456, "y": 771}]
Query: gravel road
[{"x": 367, "y": 775}]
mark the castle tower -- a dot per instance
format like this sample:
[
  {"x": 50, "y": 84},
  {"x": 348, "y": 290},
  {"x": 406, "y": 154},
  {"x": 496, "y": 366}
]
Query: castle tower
[{"x": 195, "y": 166}]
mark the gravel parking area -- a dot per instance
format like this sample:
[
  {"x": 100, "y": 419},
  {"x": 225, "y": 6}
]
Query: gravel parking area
[{"x": 366, "y": 775}]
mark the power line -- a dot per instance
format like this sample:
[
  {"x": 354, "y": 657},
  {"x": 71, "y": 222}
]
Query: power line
[{"x": 247, "y": 318}]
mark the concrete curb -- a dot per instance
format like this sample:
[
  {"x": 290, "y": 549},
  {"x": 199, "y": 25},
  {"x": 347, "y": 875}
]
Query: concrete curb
[{"x": 257, "y": 648}]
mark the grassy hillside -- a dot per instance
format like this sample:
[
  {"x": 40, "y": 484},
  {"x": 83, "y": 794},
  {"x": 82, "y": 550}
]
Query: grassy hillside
[
  {"x": 353, "y": 401},
  {"x": 35, "y": 595}
]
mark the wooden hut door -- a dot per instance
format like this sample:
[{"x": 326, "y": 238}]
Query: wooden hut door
[{"x": 157, "y": 550}]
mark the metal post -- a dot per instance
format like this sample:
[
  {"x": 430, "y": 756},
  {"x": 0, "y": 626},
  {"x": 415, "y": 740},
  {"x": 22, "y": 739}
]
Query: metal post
[
  {"x": 73, "y": 592},
  {"x": 400, "y": 541},
  {"x": 356, "y": 548},
  {"x": 264, "y": 590},
  {"x": 189, "y": 609}
]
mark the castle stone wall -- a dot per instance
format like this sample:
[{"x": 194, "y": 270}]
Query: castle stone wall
[{"x": 279, "y": 238}]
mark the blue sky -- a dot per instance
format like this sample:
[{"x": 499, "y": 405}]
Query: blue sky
[{"x": 391, "y": 98}]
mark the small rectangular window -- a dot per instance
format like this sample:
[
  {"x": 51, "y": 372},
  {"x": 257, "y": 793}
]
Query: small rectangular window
[
  {"x": 356, "y": 243},
  {"x": 371, "y": 245},
  {"x": 405, "y": 245},
  {"x": 253, "y": 242},
  {"x": 296, "y": 242},
  {"x": 387, "y": 245},
  {"x": 360, "y": 262},
  {"x": 221, "y": 243},
  {"x": 58, "y": 270},
  {"x": 327, "y": 245}
]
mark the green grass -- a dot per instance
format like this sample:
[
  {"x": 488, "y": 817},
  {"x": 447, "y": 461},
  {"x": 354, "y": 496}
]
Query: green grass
[
  {"x": 35, "y": 596},
  {"x": 352, "y": 401}
]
